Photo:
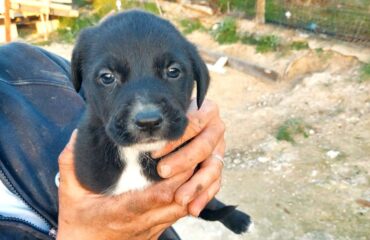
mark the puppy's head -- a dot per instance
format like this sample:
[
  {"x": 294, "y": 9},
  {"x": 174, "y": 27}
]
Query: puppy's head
[{"x": 137, "y": 73}]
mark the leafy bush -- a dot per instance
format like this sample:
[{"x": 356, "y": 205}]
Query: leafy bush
[
  {"x": 226, "y": 31},
  {"x": 188, "y": 26},
  {"x": 267, "y": 43},
  {"x": 299, "y": 45},
  {"x": 291, "y": 128},
  {"x": 70, "y": 27},
  {"x": 365, "y": 72},
  {"x": 105, "y": 6},
  {"x": 246, "y": 6}
]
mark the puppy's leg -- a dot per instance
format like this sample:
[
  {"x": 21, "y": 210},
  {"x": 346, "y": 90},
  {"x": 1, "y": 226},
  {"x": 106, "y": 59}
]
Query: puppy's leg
[{"x": 233, "y": 219}]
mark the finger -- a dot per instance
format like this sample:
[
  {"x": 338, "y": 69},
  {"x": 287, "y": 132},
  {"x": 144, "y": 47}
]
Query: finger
[
  {"x": 157, "y": 231},
  {"x": 66, "y": 156},
  {"x": 198, "y": 204},
  {"x": 193, "y": 153},
  {"x": 198, "y": 119},
  {"x": 167, "y": 214},
  {"x": 158, "y": 195},
  {"x": 209, "y": 172}
]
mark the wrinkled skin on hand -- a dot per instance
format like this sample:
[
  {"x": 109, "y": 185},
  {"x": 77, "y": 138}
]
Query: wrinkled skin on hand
[{"x": 146, "y": 214}]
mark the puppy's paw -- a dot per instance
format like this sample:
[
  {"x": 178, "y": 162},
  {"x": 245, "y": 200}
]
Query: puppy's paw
[{"x": 238, "y": 222}]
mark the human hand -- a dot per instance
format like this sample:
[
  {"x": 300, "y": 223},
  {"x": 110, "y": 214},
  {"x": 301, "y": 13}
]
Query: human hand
[
  {"x": 206, "y": 148},
  {"x": 133, "y": 215}
]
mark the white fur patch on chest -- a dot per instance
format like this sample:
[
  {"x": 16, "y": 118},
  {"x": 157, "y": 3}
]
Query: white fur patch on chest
[{"x": 132, "y": 177}]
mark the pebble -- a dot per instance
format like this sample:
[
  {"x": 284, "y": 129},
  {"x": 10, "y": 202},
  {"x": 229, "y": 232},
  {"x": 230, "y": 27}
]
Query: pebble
[
  {"x": 237, "y": 161},
  {"x": 332, "y": 154},
  {"x": 263, "y": 159}
]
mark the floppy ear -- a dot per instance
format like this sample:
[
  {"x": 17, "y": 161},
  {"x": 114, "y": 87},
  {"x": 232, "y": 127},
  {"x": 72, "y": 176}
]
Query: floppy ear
[
  {"x": 201, "y": 75},
  {"x": 78, "y": 55}
]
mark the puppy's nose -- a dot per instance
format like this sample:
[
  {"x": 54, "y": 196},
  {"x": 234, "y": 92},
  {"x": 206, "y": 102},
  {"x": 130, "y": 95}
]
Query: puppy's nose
[{"x": 148, "y": 120}]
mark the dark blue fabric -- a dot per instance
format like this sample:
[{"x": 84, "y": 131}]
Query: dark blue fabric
[{"x": 39, "y": 109}]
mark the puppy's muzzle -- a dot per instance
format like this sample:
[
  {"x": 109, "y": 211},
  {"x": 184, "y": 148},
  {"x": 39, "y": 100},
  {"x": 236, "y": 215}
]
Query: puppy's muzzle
[{"x": 148, "y": 120}]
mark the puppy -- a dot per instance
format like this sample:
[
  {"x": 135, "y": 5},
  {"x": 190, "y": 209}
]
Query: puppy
[{"x": 136, "y": 73}]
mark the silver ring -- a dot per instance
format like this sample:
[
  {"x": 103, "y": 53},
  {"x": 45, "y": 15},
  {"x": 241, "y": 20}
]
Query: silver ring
[
  {"x": 57, "y": 179},
  {"x": 218, "y": 157}
]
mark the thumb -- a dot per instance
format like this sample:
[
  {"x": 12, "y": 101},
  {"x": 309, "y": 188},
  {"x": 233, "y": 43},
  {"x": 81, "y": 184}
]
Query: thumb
[{"x": 66, "y": 164}]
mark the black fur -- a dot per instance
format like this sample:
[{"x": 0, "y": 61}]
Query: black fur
[{"x": 138, "y": 50}]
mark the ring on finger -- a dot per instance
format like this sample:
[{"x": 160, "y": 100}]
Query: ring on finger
[{"x": 219, "y": 157}]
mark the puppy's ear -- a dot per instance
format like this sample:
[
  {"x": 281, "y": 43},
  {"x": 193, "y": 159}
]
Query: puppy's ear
[
  {"x": 201, "y": 75},
  {"x": 78, "y": 55}
]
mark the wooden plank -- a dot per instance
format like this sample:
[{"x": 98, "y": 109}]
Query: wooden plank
[
  {"x": 13, "y": 32},
  {"x": 7, "y": 21},
  {"x": 35, "y": 8},
  {"x": 260, "y": 11},
  {"x": 41, "y": 4},
  {"x": 199, "y": 8},
  {"x": 241, "y": 65},
  {"x": 62, "y": 1}
]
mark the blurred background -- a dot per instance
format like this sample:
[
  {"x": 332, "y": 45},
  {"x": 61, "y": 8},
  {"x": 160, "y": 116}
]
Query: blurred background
[{"x": 292, "y": 79}]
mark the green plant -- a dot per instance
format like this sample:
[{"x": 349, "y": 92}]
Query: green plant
[
  {"x": 147, "y": 6},
  {"x": 226, "y": 31},
  {"x": 299, "y": 45},
  {"x": 70, "y": 27},
  {"x": 266, "y": 43},
  {"x": 81, "y": 3},
  {"x": 291, "y": 128},
  {"x": 247, "y": 6},
  {"x": 365, "y": 72},
  {"x": 247, "y": 38},
  {"x": 102, "y": 7},
  {"x": 188, "y": 25}
]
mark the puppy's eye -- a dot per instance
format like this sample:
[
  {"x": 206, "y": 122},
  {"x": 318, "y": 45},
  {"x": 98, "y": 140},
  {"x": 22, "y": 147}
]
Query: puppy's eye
[
  {"x": 173, "y": 71},
  {"x": 107, "y": 78}
]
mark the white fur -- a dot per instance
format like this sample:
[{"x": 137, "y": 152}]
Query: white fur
[{"x": 132, "y": 177}]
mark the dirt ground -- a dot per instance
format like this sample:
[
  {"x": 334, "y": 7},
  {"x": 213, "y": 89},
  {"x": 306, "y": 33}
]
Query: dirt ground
[{"x": 316, "y": 188}]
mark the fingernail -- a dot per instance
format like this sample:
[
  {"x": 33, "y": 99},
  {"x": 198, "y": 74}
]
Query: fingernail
[
  {"x": 72, "y": 139},
  {"x": 165, "y": 171},
  {"x": 185, "y": 200},
  {"x": 197, "y": 212},
  {"x": 155, "y": 155}
]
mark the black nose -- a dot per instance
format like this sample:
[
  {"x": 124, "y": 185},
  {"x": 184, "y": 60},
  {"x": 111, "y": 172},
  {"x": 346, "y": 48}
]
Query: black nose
[{"x": 148, "y": 120}]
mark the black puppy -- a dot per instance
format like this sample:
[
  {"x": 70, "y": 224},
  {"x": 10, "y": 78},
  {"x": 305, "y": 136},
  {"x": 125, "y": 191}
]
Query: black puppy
[{"x": 137, "y": 74}]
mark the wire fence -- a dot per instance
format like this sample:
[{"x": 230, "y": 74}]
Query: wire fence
[{"x": 343, "y": 19}]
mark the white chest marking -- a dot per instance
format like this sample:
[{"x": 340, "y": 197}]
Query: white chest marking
[{"x": 132, "y": 177}]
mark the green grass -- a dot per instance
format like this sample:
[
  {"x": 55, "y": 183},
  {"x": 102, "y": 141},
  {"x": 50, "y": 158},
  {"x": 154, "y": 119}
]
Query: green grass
[
  {"x": 269, "y": 43},
  {"x": 350, "y": 20},
  {"x": 298, "y": 45},
  {"x": 188, "y": 25},
  {"x": 102, "y": 7},
  {"x": 291, "y": 128},
  {"x": 365, "y": 72},
  {"x": 70, "y": 27},
  {"x": 246, "y": 6},
  {"x": 226, "y": 32},
  {"x": 265, "y": 43},
  {"x": 147, "y": 6}
]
